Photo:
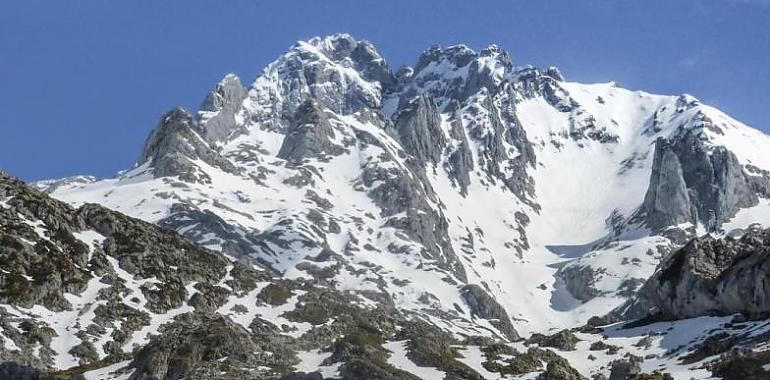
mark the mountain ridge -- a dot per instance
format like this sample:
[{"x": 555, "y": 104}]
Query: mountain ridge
[
  {"x": 454, "y": 99},
  {"x": 483, "y": 197}
]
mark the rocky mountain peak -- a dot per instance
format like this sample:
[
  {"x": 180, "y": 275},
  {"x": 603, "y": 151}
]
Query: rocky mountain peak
[
  {"x": 175, "y": 145},
  {"x": 464, "y": 202},
  {"x": 217, "y": 112},
  {"x": 346, "y": 51}
]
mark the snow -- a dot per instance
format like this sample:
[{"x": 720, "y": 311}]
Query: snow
[
  {"x": 311, "y": 361},
  {"x": 579, "y": 184},
  {"x": 473, "y": 357},
  {"x": 115, "y": 371},
  {"x": 257, "y": 308},
  {"x": 399, "y": 360}
]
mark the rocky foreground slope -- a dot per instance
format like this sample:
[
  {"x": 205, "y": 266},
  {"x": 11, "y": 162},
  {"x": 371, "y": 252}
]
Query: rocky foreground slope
[
  {"x": 89, "y": 293},
  {"x": 495, "y": 205}
]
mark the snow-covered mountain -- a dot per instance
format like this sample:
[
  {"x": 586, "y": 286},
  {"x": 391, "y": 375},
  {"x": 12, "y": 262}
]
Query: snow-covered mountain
[{"x": 485, "y": 198}]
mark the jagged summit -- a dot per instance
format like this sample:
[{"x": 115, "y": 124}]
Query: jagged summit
[{"x": 488, "y": 198}]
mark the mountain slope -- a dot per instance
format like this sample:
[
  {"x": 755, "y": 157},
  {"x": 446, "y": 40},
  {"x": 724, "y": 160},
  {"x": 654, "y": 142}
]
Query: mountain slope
[
  {"x": 483, "y": 197},
  {"x": 463, "y": 169}
]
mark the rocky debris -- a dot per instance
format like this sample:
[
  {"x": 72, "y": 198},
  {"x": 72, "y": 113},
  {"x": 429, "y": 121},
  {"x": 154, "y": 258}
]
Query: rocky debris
[
  {"x": 655, "y": 375},
  {"x": 713, "y": 345},
  {"x": 275, "y": 294},
  {"x": 302, "y": 376},
  {"x": 741, "y": 364},
  {"x": 564, "y": 340},
  {"x": 175, "y": 144},
  {"x": 195, "y": 347},
  {"x": 364, "y": 357},
  {"x": 47, "y": 262},
  {"x": 430, "y": 346},
  {"x": 560, "y": 369},
  {"x": 580, "y": 281},
  {"x": 624, "y": 369},
  {"x": 710, "y": 276},
  {"x": 484, "y": 306},
  {"x": 610, "y": 349},
  {"x": 15, "y": 371},
  {"x": 148, "y": 251},
  {"x": 506, "y": 361},
  {"x": 39, "y": 268}
]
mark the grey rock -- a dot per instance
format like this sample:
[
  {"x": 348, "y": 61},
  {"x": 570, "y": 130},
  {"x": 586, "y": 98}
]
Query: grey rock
[
  {"x": 193, "y": 347},
  {"x": 175, "y": 143},
  {"x": 484, "y": 306},
  {"x": 418, "y": 125},
  {"x": 579, "y": 281},
  {"x": 16, "y": 371},
  {"x": 408, "y": 191},
  {"x": 709, "y": 276},
  {"x": 563, "y": 340},
  {"x": 690, "y": 182},
  {"x": 216, "y": 114},
  {"x": 560, "y": 370},
  {"x": 310, "y": 135},
  {"x": 623, "y": 369}
]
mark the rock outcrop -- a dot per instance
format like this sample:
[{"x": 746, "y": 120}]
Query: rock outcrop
[
  {"x": 484, "y": 306},
  {"x": 218, "y": 111},
  {"x": 310, "y": 135},
  {"x": 418, "y": 126},
  {"x": 176, "y": 144},
  {"x": 692, "y": 182},
  {"x": 710, "y": 276}
]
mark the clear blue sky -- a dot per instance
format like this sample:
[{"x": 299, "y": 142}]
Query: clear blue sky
[{"x": 83, "y": 82}]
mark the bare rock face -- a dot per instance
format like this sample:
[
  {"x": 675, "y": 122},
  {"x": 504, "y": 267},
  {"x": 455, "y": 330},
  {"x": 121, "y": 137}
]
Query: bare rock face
[
  {"x": 459, "y": 163},
  {"x": 418, "y": 126},
  {"x": 174, "y": 146},
  {"x": 692, "y": 182},
  {"x": 218, "y": 110},
  {"x": 667, "y": 202},
  {"x": 710, "y": 276},
  {"x": 200, "y": 348},
  {"x": 310, "y": 135},
  {"x": 484, "y": 306}
]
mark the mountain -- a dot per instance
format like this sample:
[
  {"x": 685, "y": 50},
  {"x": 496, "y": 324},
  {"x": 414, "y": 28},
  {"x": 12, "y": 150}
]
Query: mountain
[{"x": 478, "y": 197}]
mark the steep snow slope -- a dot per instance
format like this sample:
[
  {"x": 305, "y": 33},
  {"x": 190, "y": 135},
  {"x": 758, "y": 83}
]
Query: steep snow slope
[{"x": 407, "y": 187}]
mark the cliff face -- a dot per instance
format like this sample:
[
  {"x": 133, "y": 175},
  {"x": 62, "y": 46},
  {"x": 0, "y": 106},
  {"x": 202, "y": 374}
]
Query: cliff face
[{"x": 692, "y": 182}]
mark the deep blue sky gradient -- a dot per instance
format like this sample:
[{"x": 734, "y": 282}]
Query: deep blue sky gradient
[{"x": 82, "y": 83}]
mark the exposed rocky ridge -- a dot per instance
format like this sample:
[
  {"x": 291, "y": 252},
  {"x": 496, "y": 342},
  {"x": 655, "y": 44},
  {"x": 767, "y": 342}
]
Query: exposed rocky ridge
[
  {"x": 310, "y": 135},
  {"x": 202, "y": 337},
  {"x": 218, "y": 111},
  {"x": 458, "y": 114},
  {"x": 692, "y": 182},
  {"x": 174, "y": 146},
  {"x": 488, "y": 198},
  {"x": 710, "y": 276}
]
